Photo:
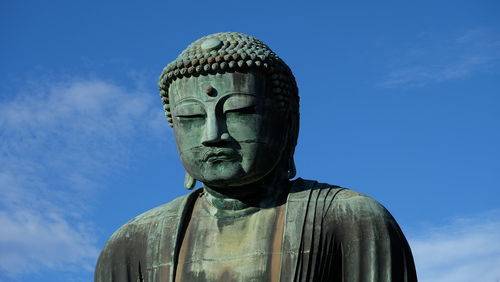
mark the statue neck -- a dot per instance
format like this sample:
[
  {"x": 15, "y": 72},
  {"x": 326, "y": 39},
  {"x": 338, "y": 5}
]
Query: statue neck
[{"x": 266, "y": 193}]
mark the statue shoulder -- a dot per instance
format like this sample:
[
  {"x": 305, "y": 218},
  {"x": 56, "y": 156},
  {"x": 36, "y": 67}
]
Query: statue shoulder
[
  {"x": 358, "y": 206},
  {"x": 150, "y": 217},
  {"x": 369, "y": 241},
  {"x": 135, "y": 241},
  {"x": 146, "y": 219},
  {"x": 338, "y": 202},
  {"x": 355, "y": 214},
  {"x": 171, "y": 208},
  {"x": 364, "y": 227}
]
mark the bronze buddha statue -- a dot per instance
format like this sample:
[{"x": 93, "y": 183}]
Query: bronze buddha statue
[{"x": 234, "y": 107}]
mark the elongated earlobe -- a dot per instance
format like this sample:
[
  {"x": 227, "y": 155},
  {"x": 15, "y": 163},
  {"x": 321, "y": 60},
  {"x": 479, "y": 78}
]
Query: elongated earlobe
[{"x": 189, "y": 181}]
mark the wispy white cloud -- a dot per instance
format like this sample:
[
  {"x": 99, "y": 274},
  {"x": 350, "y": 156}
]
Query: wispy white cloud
[
  {"x": 466, "y": 249},
  {"x": 432, "y": 59},
  {"x": 59, "y": 142}
]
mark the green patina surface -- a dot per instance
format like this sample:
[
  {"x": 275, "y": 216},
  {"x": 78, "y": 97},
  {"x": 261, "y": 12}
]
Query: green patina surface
[{"x": 233, "y": 104}]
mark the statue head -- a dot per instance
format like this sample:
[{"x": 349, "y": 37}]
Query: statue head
[{"x": 233, "y": 104}]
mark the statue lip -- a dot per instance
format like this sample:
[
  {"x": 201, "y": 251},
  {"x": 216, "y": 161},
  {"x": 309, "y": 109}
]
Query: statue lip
[{"x": 219, "y": 154}]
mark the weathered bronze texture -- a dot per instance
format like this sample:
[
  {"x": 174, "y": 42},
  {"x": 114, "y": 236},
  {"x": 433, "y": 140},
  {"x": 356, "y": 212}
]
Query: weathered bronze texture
[{"x": 233, "y": 104}]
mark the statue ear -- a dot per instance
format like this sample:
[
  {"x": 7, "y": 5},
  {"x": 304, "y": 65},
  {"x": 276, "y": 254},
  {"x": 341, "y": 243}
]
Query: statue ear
[
  {"x": 189, "y": 181},
  {"x": 292, "y": 171}
]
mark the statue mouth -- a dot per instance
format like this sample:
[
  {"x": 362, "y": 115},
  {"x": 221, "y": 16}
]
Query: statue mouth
[{"x": 219, "y": 155}]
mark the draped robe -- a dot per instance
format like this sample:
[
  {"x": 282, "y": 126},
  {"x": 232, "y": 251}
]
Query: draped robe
[{"x": 330, "y": 234}]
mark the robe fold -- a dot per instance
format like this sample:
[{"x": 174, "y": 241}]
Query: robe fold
[{"x": 330, "y": 234}]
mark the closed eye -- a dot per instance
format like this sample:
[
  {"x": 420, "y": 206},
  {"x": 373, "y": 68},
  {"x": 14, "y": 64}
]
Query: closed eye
[
  {"x": 191, "y": 116},
  {"x": 245, "y": 110},
  {"x": 189, "y": 110}
]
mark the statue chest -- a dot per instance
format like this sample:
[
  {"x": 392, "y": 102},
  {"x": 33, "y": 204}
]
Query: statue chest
[{"x": 244, "y": 246}]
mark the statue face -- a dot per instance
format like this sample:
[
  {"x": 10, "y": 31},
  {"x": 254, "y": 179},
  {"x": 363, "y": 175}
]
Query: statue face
[{"x": 227, "y": 129}]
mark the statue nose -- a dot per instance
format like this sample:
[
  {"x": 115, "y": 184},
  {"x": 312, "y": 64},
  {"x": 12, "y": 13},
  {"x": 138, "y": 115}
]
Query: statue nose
[{"x": 214, "y": 132}]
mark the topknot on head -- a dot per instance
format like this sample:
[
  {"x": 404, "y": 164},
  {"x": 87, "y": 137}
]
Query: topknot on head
[{"x": 228, "y": 52}]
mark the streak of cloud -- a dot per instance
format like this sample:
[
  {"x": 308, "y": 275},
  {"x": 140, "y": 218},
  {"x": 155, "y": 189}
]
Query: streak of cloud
[
  {"x": 60, "y": 141},
  {"x": 432, "y": 60},
  {"x": 467, "y": 249}
]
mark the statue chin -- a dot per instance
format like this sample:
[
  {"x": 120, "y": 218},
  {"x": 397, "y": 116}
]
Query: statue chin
[
  {"x": 221, "y": 174},
  {"x": 228, "y": 175},
  {"x": 250, "y": 165}
]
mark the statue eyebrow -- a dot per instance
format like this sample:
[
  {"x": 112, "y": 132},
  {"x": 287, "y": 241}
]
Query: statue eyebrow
[
  {"x": 239, "y": 93},
  {"x": 228, "y": 95},
  {"x": 222, "y": 99},
  {"x": 187, "y": 100}
]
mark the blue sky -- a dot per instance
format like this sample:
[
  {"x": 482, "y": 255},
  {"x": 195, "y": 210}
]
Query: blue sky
[{"x": 399, "y": 100}]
